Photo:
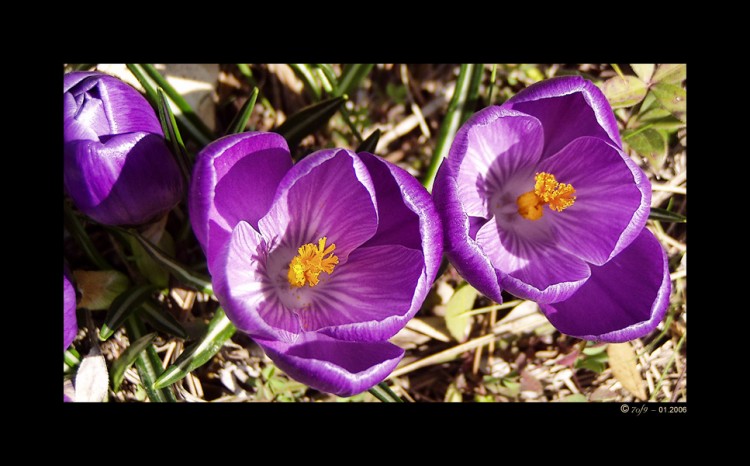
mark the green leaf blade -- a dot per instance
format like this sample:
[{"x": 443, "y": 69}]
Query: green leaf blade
[
  {"x": 650, "y": 143},
  {"x": 673, "y": 97},
  {"x": 624, "y": 91},
  {"x": 456, "y": 318},
  {"x": 148, "y": 363},
  {"x": 203, "y": 133},
  {"x": 644, "y": 71},
  {"x": 243, "y": 116},
  {"x": 127, "y": 358},
  {"x": 172, "y": 135},
  {"x": 161, "y": 319},
  {"x": 664, "y": 215},
  {"x": 170, "y": 264},
  {"x": 351, "y": 77},
  {"x": 306, "y": 74},
  {"x": 220, "y": 329},
  {"x": 369, "y": 144},
  {"x": 308, "y": 120},
  {"x": 123, "y": 307},
  {"x": 452, "y": 121}
]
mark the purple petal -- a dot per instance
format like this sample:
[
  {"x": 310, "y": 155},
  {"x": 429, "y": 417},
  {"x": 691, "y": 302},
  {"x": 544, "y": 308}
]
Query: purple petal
[
  {"x": 400, "y": 206},
  {"x": 235, "y": 178},
  {"x": 242, "y": 285},
  {"x": 343, "y": 368},
  {"x": 70, "y": 322},
  {"x": 73, "y": 129},
  {"x": 568, "y": 107},
  {"x": 107, "y": 105},
  {"x": 407, "y": 216},
  {"x": 327, "y": 194},
  {"x": 128, "y": 179},
  {"x": 369, "y": 298},
  {"x": 624, "y": 299},
  {"x": 531, "y": 267},
  {"x": 489, "y": 151},
  {"x": 460, "y": 247},
  {"x": 612, "y": 202}
]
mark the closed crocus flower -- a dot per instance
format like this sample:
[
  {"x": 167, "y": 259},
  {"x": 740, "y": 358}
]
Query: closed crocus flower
[
  {"x": 538, "y": 198},
  {"x": 70, "y": 322},
  {"x": 320, "y": 262},
  {"x": 117, "y": 167}
]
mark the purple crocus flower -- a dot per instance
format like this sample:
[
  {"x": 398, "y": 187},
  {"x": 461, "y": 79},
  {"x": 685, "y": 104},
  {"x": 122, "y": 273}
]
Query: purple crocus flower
[
  {"x": 117, "y": 167},
  {"x": 70, "y": 322},
  {"x": 538, "y": 198},
  {"x": 320, "y": 262}
]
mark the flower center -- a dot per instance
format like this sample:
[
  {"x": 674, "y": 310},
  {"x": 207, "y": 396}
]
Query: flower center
[
  {"x": 559, "y": 196},
  {"x": 311, "y": 260}
]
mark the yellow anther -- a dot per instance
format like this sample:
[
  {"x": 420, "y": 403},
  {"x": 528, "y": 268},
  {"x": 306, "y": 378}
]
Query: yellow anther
[
  {"x": 310, "y": 262},
  {"x": 559, "y": 196}
]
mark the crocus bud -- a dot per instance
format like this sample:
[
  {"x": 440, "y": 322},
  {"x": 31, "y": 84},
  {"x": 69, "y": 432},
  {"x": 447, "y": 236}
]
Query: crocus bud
[{"x": 117, "y": 168}]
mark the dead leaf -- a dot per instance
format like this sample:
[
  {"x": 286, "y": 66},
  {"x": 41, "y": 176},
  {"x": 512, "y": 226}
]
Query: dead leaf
[
  {"x": 99, "y": 287},
  {"x": 623, "y": 364},
  {"x": 92, "y": 379}
]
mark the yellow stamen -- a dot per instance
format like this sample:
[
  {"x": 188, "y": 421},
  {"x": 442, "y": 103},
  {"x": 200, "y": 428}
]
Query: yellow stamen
[
  {"x": 310, "y": 262},
  {"x": 559, "y": 196}
]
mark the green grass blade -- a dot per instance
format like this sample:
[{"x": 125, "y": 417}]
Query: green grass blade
[
  {"x": 349, "y": 123},
  {"x": 77, "y": 231},
  {"x": 450, "y": 124},
  {"x": 390, "y": 392},
  {"x": 664, "y": 215},
  {"x": 328, "y": 78},
  {"x": 123, "y": 307},
  {"x": 172, "y": 135},
  {"x": 369, "y": 144},
  {"x": 186, "y": 125},
  {"x": 676, "y": 351},
  {"x": 493, "y": 78},
  {"x": 174, "y": 267},
  {"x": 71, "y": 359},
  {"x": 181, "y": 103},
  {"x": 351, "y": 77},
  {"x": 308, "y": 120},
  {"x": 243, "y": 116},
  {"x": 141, "y": 77},
  {"x": 383, "y": 393},
  {"x": 147, "y": 363},
  {"x": 473, "y": 96},
  {"x": 127, "y": 358},
  {"x": 378, "y": 393},
  {"x": 305, "y": 73},
  {"x": 220, "y": 329},
  {"x": 160, "y": 319},
  {"x": 245, "y": 71}
]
